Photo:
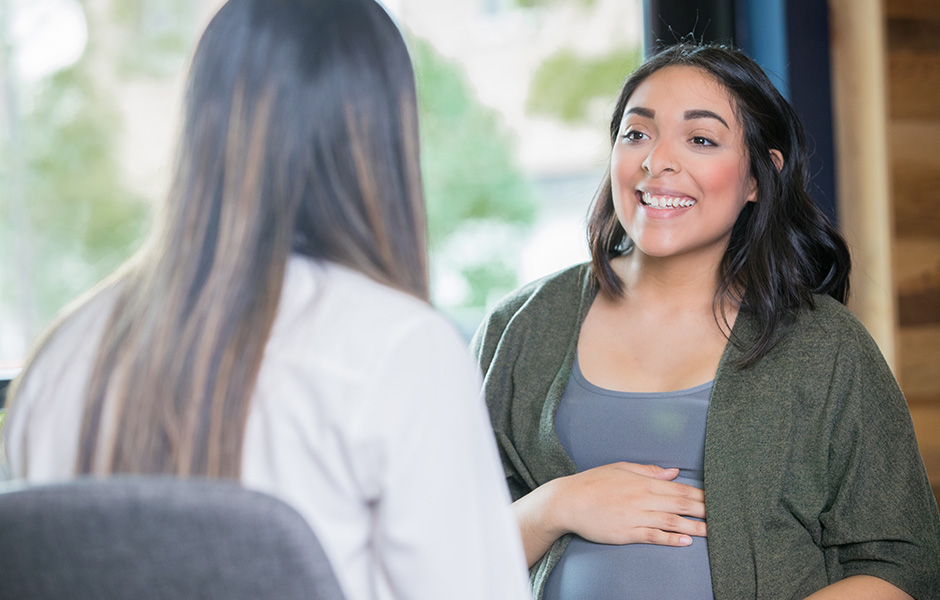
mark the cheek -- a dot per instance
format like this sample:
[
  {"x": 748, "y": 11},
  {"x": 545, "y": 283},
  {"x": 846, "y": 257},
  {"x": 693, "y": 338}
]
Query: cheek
[
  {"x": 623, "y": 170},
  {"x": 622, "y": 191},
  {"x": 727, "y": 179}
]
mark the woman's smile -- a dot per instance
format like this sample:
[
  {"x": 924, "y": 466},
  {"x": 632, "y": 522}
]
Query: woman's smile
[{"x": 656, "y": 201}]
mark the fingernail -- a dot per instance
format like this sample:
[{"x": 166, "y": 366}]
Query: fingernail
[{"x": 685, "y": 540}]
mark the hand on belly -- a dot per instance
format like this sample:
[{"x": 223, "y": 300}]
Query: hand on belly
[{"x": 628, "y": 503}]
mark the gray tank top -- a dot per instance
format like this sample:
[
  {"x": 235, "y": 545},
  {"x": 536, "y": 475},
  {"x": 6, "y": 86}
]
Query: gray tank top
[{"x": 599, "y": 427}]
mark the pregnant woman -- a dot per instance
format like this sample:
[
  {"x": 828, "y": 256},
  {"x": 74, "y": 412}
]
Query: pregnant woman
[{"x": 695, "y": 413}]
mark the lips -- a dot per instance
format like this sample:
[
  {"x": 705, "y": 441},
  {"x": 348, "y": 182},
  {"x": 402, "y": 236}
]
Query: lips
[{"x": 665, "y": 201}]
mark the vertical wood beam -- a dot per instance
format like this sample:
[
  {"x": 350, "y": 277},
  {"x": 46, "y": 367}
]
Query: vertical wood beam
[{"x": 862, "y": 162}]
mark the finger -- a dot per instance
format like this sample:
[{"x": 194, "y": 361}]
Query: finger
[
  {"x": 688, "y": 507},
  {"x": 678, "y": 490},
  {"x": 680, "y": 506},
  {"x": 654, "y": 471},
  {"x": 662, "y": 538},
  {"x": 672, "y": 523}
]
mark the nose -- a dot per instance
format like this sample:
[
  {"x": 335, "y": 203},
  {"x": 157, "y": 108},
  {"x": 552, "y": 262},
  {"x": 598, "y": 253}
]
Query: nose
[{"x": 659, "y": 160}]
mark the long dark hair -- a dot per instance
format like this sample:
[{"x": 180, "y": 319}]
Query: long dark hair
[
  {"x": 300, "y": 135},
  {"x": 783, "y": 248}
]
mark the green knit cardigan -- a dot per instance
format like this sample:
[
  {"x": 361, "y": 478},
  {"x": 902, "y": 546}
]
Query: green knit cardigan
[{"x": 812, "y": 470}]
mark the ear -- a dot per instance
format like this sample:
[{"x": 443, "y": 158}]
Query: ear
[
  {"x": 751, "y": 190},
  {"x": 777, "y": 157}
]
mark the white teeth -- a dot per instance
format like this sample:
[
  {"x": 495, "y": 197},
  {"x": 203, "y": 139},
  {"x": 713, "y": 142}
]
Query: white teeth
[{"x": 666, "y": 201}]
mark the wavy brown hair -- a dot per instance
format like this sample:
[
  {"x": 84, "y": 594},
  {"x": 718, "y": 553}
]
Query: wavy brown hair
[{"x": 299, "y": 136}]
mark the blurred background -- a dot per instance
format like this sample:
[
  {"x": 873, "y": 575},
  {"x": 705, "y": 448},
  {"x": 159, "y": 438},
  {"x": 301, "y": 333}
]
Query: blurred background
[{"x": 515, "y": 97}]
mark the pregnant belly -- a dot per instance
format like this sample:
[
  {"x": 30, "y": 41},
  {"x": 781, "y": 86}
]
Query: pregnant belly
[{"x": 589, "y": 571}]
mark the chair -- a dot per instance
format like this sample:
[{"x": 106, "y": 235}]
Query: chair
[{"x": 144, "y": 538}]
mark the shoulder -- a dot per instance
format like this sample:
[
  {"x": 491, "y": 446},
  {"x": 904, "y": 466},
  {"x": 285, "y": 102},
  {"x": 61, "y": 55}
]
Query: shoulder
[
  {"x": 538, "y": 316},
  {"x": 561, "y": 287},
  {"x": 831, "y": 326},
  {"x": 560, "y": 293},
  {"x": 821, "y": 330},
  {"x": 70, "y": 345},
  {"x": 827, "y": 353},
  {"x": 46, "y": 402},
  {"x": 333, "y": 315}
]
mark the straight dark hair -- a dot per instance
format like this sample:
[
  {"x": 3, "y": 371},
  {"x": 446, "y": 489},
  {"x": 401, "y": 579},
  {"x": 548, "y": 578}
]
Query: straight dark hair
[
  {"x": 299, "y": 136},
  {"x": 783, "y": 248}
]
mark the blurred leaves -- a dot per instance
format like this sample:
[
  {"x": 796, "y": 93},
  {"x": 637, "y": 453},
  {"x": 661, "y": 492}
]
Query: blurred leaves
[
  {"x": 83, "y": 221},
  {"x": 155, "y": 35},
  {"x": 472, "y": 182},
  {"x": 537, "y": 3},
  {"x": 566, "y": 84}
]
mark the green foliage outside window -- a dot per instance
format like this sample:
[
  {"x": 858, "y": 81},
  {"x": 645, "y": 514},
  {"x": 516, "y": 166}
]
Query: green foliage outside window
[
  {"x": 68, "y": 218},
  {"x": 538, "y": 3},
  {"x": 84, "y": 222},
  {"x": 156, "y": 35},
  {"x": 566, "y": 84},
  {"x": 473, "y": 187}
]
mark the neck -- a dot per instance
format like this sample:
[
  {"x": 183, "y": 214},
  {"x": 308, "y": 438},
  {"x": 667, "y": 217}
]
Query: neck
[
  {"x": 674, "y": 280},
  {"x": 673, "y": 285}
]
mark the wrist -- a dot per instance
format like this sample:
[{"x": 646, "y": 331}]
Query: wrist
[
  {"x": 539, "y": 519},
  {"x": 551, "y": 509}
]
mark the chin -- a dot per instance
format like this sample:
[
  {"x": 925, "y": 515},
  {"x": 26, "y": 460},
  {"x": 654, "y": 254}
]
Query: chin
[{"x": 656, "y": 246}]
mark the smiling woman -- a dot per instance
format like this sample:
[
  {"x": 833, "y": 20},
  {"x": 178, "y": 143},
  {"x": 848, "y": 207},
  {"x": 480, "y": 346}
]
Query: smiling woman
[{"x": 696, "y": 401}]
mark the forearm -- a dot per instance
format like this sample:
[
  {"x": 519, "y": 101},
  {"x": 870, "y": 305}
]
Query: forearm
[
  {"x": 534, "y": 515},
  {"x": 860, "y": 587}
]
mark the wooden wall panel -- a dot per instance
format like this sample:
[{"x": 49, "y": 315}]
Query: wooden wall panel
[
  {"x": 926, "y": 425},
  {"x": 913, "y": 82},
  {"x": 915, "y": 176},
  {"x": 917, "y": 273},
  {"x": 916, "y": 190},
  {"x": 918, "y": 358},
  {"x": 912, "y": 9}
]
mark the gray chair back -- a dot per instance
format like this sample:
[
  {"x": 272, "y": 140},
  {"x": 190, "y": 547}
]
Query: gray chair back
[{"x": 149, "y": 538}]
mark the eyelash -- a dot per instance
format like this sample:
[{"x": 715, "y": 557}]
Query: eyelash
[{"x": 633, "y": 135}]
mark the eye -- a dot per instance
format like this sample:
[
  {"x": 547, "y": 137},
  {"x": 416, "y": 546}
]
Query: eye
[
  {"x": 699, "y": 140},
  {"x": 634, "y": 135}
]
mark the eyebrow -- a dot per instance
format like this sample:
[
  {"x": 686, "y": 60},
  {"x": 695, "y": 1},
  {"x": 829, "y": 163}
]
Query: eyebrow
[
  {"x": 643, "y": 112},
  {"x": 704, "y": 114},
  {"x": 689, "y": 115}
]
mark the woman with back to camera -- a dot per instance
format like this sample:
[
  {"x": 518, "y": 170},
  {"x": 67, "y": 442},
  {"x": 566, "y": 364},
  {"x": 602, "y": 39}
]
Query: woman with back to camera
[
  {"x": 694, "y": 413},
  {"x": 277, "y": 330}
]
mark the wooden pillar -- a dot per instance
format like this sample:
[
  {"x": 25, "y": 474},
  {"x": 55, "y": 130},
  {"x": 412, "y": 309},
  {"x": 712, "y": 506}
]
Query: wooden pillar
[{"x": 861, "y": 134}]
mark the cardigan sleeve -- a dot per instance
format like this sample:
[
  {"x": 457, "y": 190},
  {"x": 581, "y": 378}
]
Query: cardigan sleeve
[
  {"x": 497, "y": 389},
  {"x": 525, "y": 347},
  {"x": 881, "y": 517}
]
